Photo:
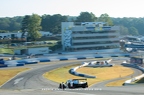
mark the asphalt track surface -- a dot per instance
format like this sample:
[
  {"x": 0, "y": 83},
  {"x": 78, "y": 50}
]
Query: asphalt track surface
[{"x": 32, "y": 83}]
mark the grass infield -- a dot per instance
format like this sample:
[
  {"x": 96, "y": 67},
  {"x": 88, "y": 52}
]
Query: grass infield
[
  {"x": 6, "y": 74},
  {"x": 102, "y": 73}
]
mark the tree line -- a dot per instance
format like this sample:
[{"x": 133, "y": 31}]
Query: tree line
[{"x": 52, "y": 23}]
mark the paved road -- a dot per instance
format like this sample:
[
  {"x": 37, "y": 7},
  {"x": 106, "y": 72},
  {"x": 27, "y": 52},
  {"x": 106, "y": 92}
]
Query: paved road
[
  {"x": 31, "y": 82},
  {"x": 33, "y": 79}
]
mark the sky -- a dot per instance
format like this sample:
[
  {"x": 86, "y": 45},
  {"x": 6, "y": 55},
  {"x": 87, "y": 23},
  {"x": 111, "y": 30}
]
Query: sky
[{"x": 114, "y": 8}]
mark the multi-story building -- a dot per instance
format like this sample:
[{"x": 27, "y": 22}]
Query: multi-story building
[{"x": 77, "y": 36}]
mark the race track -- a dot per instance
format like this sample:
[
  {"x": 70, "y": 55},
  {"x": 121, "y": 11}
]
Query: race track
[{"x": 32, "y": 83}]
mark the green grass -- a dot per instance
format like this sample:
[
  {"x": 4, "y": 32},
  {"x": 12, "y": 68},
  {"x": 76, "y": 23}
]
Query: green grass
[
  {"x": 6, "y": 51},
  {"x": 32, "y": 46}
]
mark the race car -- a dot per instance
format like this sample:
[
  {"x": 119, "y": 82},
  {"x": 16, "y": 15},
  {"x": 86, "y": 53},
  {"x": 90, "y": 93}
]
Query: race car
[
  {"x": 99, "y": 63},
  {"x": 76, "y": 83}
]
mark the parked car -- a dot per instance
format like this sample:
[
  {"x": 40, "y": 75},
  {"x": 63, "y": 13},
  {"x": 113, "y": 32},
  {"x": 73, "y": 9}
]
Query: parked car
[{"x": 14, "y": 44}]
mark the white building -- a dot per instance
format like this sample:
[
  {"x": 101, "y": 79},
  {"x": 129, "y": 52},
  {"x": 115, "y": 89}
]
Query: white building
[
  {"x": 43, "y": 33},
  {"x": 36, "y": 50},
  {"x": 18, "y": 34},
  {"x": 77, "y": 36},
  {"x": 10, "y": 35}
]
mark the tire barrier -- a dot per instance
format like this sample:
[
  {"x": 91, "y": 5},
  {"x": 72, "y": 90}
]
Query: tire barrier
[
  {"x": 129, "y": 82},
  {"x": 14, "y": 65},
  {"x": 43, "y": 59},
  {"x": 126, "y": 55},
  {"x": 11, "y": 64},
  {"x": 81, "y": 58},
  {"x": 141, "y": 68},
  {"x": 73, "y": 72},
  {"x": 114, "y": 56},
  {"x": 2, "y": 65},
  {"x": 61, "y": 58},
  {"x": 90, "y": 64},
  {"x": 28, "y": 61},
  {"x": 133, "y": 66},
  {"x": 2, "y": 61},
  {"x": 98, "y": 56}
]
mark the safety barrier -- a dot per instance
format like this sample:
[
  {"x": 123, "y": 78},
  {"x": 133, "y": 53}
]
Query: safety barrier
[
  {"x": 61, "y": 58},
  {"x": 130, "y": 81},
  {"x": 73, "y": 71},
  {"x": 28, "y": 61}
]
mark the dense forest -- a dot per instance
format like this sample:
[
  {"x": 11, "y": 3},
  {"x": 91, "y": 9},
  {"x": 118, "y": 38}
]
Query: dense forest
[{"x": 52, "y": 23}]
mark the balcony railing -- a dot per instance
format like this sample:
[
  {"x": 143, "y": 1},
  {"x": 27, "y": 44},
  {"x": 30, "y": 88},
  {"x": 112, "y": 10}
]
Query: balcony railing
[
  {"x": 95, "y": 34},
  {"x": 95, "y": 45},
  {"x": 94, "y": 40}
]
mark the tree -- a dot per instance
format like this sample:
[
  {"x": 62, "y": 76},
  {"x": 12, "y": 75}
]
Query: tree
[
  {"x": 14, "y": 26},
  {"x": 124, "y": 30},
  {"x": 34, "y": 27},
  {"x": 15, "y": 23},
  {"x": 4, "y": 23},
  {"x": 86, "y": 17},
  {"x": 133, "y": 31},
  {"x": 53, "y": 23},
  {"x": 10, "y": 24},
  {"x": 45, "y": 22},
  {"x": 105, "y": 18},
  {"x": 31, "y": 24},
  {"x": 139, "y": 25},
  {"x": 25, "y": 23},
  {"x": 3, "y": 31}
]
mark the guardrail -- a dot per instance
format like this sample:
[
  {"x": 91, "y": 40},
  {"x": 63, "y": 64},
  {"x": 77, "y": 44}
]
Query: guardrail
[
  {"x": 85, "y": 64},
  {"x": 73, "y": 71}
]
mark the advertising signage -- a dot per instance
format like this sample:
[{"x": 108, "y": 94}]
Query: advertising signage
[{"x": 135, "y": 60}]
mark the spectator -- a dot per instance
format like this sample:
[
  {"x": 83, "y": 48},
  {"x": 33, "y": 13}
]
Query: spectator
[
  {"x": 60, "y": 85},
  {"x": 71, "y": 84},
  {"x": 13, "y": 57},
  {"x": 10, "y": 58},
  {"x": 63, "y": 86}
]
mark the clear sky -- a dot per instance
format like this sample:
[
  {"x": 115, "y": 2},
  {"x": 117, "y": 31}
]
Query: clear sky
[{"x": 114, "y": 8}]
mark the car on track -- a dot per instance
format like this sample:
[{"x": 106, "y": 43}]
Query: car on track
[
  {"x": 99, "y": 63},
  {"x": 76, "y": 83}
]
